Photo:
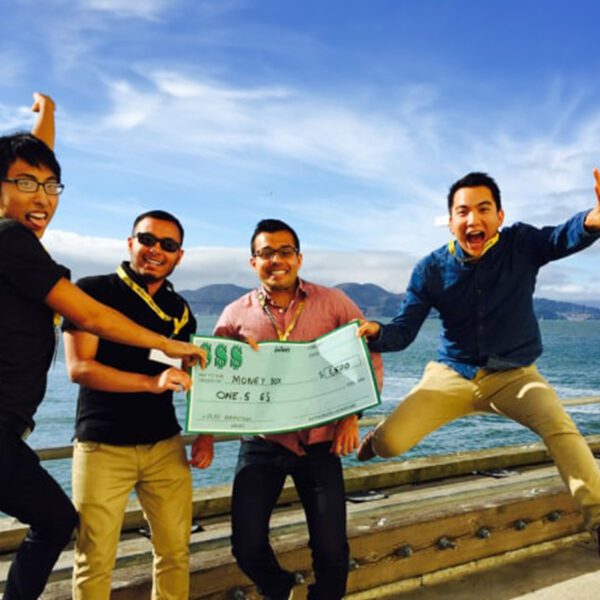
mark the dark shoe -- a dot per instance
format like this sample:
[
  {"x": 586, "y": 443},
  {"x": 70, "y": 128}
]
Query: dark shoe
[
  {"x": 365, "y": 450},
  {"x": 298, "y": 580},
  {"x": 597, "y": 540},
  {"x": 286, "y": 597}
]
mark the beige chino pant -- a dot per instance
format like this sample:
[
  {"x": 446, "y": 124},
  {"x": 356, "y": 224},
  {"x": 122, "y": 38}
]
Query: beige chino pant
[
  {"x": 521, "y": 394},
  {"x": 103, "y": 478}
]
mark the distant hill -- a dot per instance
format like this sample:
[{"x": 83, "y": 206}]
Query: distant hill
[
  {"x": 564, "y": 311},
  {"x": 375, "y": 301},
  {"x": 212, "y": 299}
]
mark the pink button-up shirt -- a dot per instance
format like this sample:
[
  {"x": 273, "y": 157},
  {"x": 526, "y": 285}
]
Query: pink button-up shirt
[{"x": 324, "y": 310}]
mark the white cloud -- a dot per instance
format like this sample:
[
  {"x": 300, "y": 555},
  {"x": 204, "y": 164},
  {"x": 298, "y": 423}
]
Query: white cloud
[
  {"x": 86, "y": 255},
  {"x": 12, "y": 119},
  {"x": 209, "y": 117},
  {"x": 391, "y": 164},
  {"x": 12, "y": 64},
  {"x": 141, "y": 9},
  {"x": 411, "y": 147}
]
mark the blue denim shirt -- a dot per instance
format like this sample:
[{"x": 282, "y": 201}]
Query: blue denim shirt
[{"x": 485, "y": 305}]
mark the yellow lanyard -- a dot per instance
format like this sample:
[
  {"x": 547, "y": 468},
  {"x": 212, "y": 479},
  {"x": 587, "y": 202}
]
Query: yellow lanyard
[
  {"x": 282, "y": 336},
  {"x": 178, "y": 324}
]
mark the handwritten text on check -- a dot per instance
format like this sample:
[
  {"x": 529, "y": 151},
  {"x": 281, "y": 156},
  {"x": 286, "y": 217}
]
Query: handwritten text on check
[{"x": 284, "y": 386}]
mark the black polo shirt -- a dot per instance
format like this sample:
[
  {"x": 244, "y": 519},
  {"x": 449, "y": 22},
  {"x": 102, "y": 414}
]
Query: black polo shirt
[
  {"x": 129, "y": 418},
  {"x": 27, "y": 336}
]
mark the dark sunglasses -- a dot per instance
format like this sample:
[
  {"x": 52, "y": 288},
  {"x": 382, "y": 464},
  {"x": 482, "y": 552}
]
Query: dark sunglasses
[{"x": 167, "y": 244}]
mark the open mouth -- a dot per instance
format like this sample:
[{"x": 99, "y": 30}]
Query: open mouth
[
  {"x": 38, "y": 219},
  {"x": 154, "y": 262},
  {"x": 475, "y": 237}
]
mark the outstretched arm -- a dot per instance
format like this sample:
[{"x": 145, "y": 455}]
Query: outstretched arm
[
  {"x": 368, "y": 329},
  {"x": 43, "y": 127},
  {"x": 90, "y": 315},
  {"x": 592, "y": 220},
  {"x": 83, "y": 368}
]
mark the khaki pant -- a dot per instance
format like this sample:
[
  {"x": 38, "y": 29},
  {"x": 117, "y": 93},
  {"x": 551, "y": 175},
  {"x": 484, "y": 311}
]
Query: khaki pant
[
  {"x": 103, "y": 478},
  {"x": 521, "y": 394}
]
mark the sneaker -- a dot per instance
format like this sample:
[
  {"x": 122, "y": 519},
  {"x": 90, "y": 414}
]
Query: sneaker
[{"x": 365, "y": 450}]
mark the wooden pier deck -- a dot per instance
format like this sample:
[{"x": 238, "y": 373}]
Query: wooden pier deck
[{"x": 439, "y": 519}]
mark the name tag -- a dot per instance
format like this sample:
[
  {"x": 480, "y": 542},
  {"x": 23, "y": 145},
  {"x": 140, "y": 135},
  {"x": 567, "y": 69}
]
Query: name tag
[{"x": 160, "y": 357}]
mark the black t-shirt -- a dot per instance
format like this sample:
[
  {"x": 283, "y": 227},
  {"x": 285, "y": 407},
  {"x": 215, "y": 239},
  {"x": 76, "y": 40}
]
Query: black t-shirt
[
  {"x": 27, "y": 336},
  {"x": 124, "y": 418}
]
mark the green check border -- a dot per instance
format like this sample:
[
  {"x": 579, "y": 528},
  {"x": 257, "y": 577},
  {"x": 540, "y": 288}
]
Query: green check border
[{"x": 196, "y": 339}]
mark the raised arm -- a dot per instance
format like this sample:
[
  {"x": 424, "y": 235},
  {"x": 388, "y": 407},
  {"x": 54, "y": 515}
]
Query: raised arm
[
  {"x": 92, "y": 316},
  {"x": 43, "y": 127},
  {"x": 592, "y": 220}
]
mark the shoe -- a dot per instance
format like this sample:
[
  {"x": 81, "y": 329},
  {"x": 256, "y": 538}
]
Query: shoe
[
  {"x": 291, "y": 595},
  {"x": 597, "y": 539},
  {"x": 365, "y": 450},
  {"x": 298, "y": 580}
]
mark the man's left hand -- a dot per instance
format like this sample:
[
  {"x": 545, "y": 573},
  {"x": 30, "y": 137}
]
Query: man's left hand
[
  {"x": 592, "y": 219},
  {"x": 345, "y": 438}
]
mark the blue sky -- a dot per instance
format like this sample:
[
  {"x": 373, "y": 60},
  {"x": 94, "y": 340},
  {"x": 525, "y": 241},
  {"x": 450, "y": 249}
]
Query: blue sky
[{"x": 348, "y": 119}]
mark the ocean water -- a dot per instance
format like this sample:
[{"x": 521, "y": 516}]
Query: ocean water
[{"x": 569, "y": 362}]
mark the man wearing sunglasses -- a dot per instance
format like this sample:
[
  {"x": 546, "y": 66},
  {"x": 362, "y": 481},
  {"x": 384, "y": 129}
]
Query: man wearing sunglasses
[
  {"x": 126, "y": 431},
  {"x": 286, "y": 307},
  {"x": 33, "y": 291}
]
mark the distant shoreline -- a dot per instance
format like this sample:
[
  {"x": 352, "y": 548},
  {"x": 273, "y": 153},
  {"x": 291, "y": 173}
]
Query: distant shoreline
[{"x": 375, "y": 301}]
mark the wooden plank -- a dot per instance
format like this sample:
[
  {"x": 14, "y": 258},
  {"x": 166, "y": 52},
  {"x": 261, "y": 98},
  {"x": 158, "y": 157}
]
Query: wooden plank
[
  {"x": 380, "y": 559},
  {"x": 62, "y": 452},
  {"x": 379, "y": 529},
  {"x": 492, "y": 571},
  {"x": 216, "y": 500},
  {"x": 375, "y": 543}
]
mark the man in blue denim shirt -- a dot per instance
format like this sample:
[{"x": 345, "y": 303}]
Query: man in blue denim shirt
[{"x": 482, "y": 284}]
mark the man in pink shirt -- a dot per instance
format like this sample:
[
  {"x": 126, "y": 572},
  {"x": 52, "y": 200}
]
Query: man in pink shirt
[{"x": 285, "y": 307}]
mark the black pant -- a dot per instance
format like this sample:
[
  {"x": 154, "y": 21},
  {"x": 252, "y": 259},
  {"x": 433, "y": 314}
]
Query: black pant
[
  {"x": 260, "y": 475},
  {"x": 28, "y": 493}
]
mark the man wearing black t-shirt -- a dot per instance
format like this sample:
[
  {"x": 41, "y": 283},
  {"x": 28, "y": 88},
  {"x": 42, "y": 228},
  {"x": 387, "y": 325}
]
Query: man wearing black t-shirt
[
  {"x": 126, "y": 432},
  {"x": 33, "y": 288}
]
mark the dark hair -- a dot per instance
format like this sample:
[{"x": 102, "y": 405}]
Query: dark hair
[
  {"x": 161, "y": 215},
  {"x": 28, "y": 148},
  {"x": 271, "y": 226},
  {"x": 475, "y": 179}
]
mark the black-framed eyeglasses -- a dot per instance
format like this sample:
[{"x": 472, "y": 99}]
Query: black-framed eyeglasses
[
  {"x": 148, "y": 239},
  {"x": 284, "y": 252},
  {"x": 30, "y": 186}
]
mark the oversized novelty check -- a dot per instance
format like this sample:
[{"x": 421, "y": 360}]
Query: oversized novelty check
[{"x": 282, "y": 387}]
